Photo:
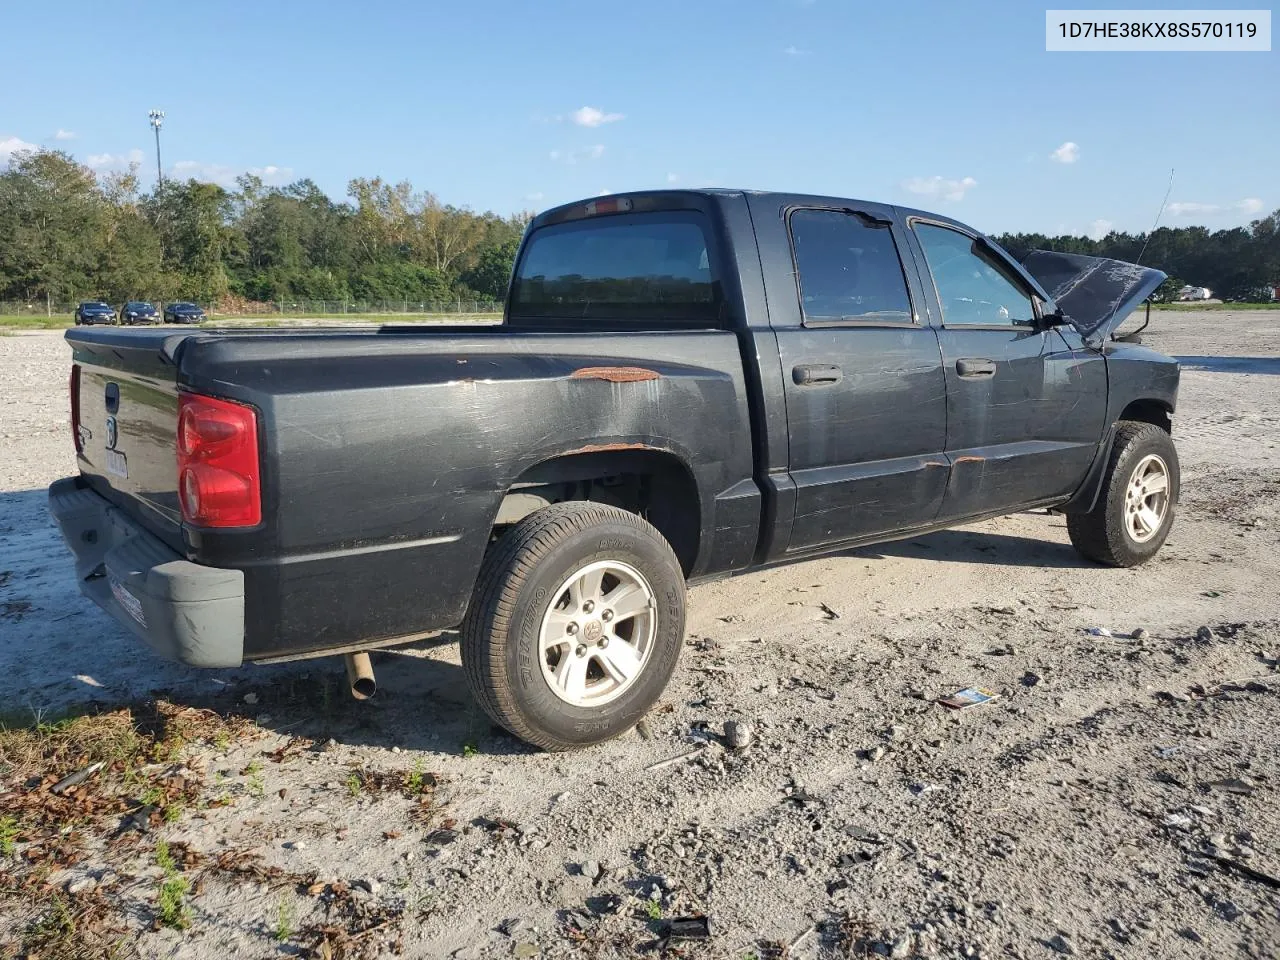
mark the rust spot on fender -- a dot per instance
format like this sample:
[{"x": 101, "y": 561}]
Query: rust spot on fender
[
  {"x": 608, "y": 447},
  {"x": 616, "y": 374},
  {"x": 970, "y": 459}
]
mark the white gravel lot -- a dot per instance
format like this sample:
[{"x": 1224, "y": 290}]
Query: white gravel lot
[{"x": 1070, "y": 815}]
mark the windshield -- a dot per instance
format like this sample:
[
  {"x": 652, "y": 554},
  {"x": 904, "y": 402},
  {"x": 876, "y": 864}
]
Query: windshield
[
  {"x": 138, "y": 305},
  {"x": 638, "y": 267}
]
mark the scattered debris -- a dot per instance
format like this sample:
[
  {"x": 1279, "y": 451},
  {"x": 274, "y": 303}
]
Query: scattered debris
[
  {"x": 1062, "y": 944},
  {"x": 1098, "y": 632},
  {"x": 672, "y": 761},
  {"x": 1246, "y": 871},
  {"x": 999, "y": 611},
  {"x": 827, "y": 612},
  {"x": 1240, "y": 787},
  {"x": 80, "y": 776},
  {"x": 863, "y": 834},
  {"x": 643, "y": 730},
  {"x": 689, "y": 928},
  {"x": 968, "y": 697},
  {"x": 738, "y": 734},
  {"x": 1204, "y": 634},
  {"x": 1139, "y": 633}
]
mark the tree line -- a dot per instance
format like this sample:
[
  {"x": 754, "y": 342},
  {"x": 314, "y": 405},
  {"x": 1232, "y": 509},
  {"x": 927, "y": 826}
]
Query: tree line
[{"x": 67, "y": 233}]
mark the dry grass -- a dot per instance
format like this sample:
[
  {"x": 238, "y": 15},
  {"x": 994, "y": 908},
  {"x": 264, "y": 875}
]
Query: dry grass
[{"x": 135, "y": 777}]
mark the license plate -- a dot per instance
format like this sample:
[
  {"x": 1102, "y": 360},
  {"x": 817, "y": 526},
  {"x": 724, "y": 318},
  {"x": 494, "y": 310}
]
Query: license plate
[
  {"x": 117, "y": 466},
  {"x": 131, "y": 604}
]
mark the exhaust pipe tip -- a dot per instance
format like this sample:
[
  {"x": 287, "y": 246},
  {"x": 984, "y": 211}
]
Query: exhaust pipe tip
[{"x": 360, "y": 676}]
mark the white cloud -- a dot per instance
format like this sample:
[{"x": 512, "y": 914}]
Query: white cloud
[
  {"x": 940, "y": 188},
  {"x": 103, "y": 160},
  {"x": 593, "y": 152},
  {"x": 11, "y": 145},
  {"x": 593, "y": 117},
  {"x": 673, "y": 178},
  {"x": 1190, "y": 208},
  {"x": 225, "y": 176},
  {"x": 794, "y": 51},
  {"x": 1069, "y": 152},
  {"x": 273, "y": 175},
  {"x": 1099, "y": 229},
  {"x": 64, "y": 135},
  {"x": 534, "y": 197}
]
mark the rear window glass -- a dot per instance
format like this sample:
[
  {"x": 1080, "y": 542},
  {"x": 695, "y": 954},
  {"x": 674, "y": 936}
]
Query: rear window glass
[
  {"x": 642, "y": 267},
  {"x": 848, "y": 268}
]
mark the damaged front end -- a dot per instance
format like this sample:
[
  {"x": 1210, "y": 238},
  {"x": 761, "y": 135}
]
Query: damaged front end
[{"x": 1095, "y": 294}]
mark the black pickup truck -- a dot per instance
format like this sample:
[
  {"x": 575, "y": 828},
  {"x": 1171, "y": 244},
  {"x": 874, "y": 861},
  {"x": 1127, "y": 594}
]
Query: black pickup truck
[{"x": 686, "y": 385}]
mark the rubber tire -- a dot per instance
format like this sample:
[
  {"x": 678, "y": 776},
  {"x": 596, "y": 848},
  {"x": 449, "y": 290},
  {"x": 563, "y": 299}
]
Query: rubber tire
[
  {"x": 1101, "y": 533},
  {"x": 500, "y": 635}
]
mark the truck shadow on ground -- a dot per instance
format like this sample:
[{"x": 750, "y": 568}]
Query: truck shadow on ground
[
  {"x": 966, "y": 546},
  {"x": 62, "y": 653},
  {"x": 1267, "y": 365}
]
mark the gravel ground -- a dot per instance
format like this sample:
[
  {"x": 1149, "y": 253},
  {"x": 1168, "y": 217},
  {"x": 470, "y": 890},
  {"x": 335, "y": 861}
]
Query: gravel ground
[{"x": 1077, "y": 814}]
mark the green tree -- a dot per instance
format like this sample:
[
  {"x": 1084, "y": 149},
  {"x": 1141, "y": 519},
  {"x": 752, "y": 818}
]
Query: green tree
[
  {"x": 50, "y": 226},
  {"x": 492, "y": 272}
]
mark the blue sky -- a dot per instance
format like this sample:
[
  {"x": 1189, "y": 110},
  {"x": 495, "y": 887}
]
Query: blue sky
[{"x": 507, "y": 105}]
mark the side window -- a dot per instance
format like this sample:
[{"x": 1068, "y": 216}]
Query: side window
[
  {"x": 848, "y": 268},
  {"x": 971, "y": 287}
]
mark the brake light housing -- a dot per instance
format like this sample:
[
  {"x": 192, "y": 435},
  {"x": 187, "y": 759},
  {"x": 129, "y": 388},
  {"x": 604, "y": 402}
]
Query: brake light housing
[
  {"x": 74, "y": 386},
  {"x": 219, "y": 476}
]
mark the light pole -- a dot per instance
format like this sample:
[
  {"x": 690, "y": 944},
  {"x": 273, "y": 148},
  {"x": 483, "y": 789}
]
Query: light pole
[{"x": 157, "y": 118}]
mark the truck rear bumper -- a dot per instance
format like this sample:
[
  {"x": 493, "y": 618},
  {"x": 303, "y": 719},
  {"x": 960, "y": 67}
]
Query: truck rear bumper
[{"x": 182, "y": 610}]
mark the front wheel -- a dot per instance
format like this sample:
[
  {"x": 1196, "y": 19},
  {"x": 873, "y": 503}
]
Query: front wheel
[
  {"x": 1135, "y": 507},
  {"x": 575, "y": 626}
]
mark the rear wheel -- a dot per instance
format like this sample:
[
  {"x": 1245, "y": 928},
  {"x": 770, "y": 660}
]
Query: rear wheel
[
  {"x": 575, "y": 625},
  {"x": 1135, "y": 507}
]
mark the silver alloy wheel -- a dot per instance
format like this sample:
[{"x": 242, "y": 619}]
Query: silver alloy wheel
[
  {"x": 597, "y": 633},
  {"x": 1146, "y": 499}
]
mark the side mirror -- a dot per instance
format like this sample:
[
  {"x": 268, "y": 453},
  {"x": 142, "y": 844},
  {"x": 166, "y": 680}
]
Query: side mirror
[{"x": 1055, "y": 318}]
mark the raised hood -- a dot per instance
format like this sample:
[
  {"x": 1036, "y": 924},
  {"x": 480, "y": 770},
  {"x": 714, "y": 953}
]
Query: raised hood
[{"x": 1094, "y": 293}]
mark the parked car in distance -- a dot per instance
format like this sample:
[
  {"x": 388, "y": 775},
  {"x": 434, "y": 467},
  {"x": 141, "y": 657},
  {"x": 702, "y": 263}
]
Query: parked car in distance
[
  {"x": 94, "y": 311},
  {"x": 183, "y": 312},
  {"x": 138, "y": 312},
  {"x": 686, "y": 385}
]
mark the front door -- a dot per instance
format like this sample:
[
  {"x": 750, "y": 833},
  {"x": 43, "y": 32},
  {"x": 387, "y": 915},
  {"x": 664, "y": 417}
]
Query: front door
[
  {"x": 1025, "y": 403},
  {"x": 865, "y": 397}
]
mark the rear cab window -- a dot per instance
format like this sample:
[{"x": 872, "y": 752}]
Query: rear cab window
[
  {"x": 848, "y": 269},
  {"x": 652, "y": 267}
]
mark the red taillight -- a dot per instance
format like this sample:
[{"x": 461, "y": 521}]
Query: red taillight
[
  {"x": 616, "y": 205},
  {"x": 75, "y": 407},
  {"x": 218, "y": 477}
]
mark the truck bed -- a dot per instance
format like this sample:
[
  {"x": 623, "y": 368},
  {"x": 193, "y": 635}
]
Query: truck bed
[{"x": 398, "y": 444}]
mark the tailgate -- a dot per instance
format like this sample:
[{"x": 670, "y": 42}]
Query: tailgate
[{"x": 128, "y": 422}]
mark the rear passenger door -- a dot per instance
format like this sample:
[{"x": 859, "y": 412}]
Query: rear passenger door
[
  {"x": 865, "y": 397},
  {"x": 1025, "y": 403}
]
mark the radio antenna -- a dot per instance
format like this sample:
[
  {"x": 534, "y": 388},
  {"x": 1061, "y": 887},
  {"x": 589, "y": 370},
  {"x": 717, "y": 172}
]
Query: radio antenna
[{"x": 1159, "y": 214}]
